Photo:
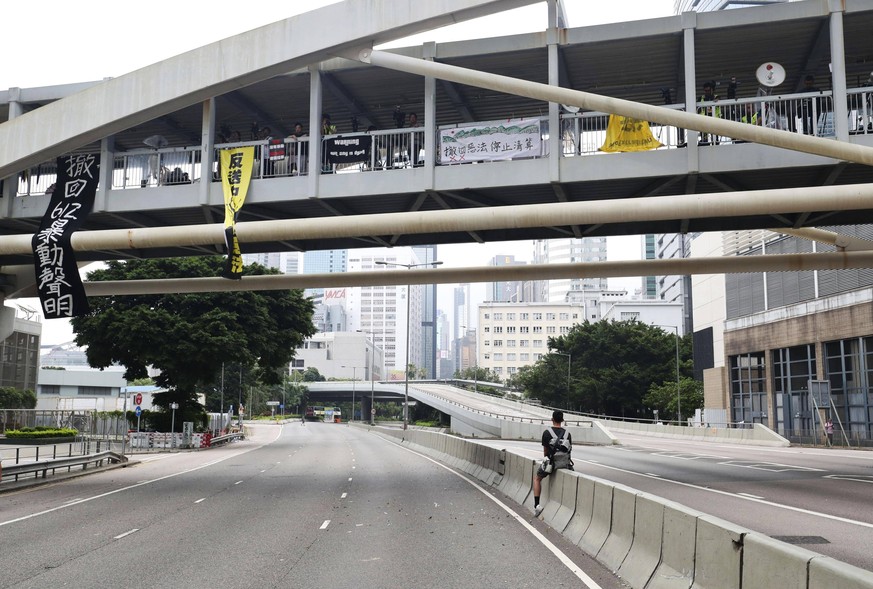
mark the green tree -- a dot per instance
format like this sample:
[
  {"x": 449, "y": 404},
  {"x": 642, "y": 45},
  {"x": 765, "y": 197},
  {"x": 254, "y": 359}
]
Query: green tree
[
  {"x": 188, "y": 336},
  {"x": 311, "y": 374},
  {"x": 663, "y": 397},
  {"x": 12, "y": 398},
  {"x": 612, "y": 366},
  {"x": 475, "y": 373}
]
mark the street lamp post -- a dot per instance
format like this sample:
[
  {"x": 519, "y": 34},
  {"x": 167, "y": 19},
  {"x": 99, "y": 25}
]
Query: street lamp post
[
  {"x": 678, "y": 391},
  {"x": 406, "y": 366},
  {"x": 173, "y": 406},
  {"x": 354, "y": 378},
  {"x": 569, "y": 362},
  {"x": 372, "y": 384}
]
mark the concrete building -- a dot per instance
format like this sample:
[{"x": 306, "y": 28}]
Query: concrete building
[
  {"x": 564, "y": 251},
  {"x": 19, "y": 349},
  {"x": 711, "y": 5},
  {"x": 95, "y": 390},
  {"x": 341, "y": 355},
  {"x": 514, "y": 335}
]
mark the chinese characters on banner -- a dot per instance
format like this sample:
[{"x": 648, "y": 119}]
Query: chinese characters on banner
[
  {"x": 490, "y": 142},
  {"x": 236, "y": 172},
  {"x": 61, "y": 292},
  {"x": 628, "y": 134}
]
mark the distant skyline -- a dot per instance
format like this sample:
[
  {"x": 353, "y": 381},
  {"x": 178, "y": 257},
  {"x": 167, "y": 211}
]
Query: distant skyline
[{"x": 97, "y": 46}]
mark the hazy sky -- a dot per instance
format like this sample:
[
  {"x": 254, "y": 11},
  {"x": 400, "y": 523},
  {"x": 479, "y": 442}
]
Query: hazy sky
[{"x": 111, "y": 42}]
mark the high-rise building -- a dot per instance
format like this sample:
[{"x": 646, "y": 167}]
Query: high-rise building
[
  {"x": 650, "y": 283},
  {"x": 507, "y": 290},
  {"x": 675, "y": 288},
  {"x": 564, "y": 251},
  {"x": 19, "y": 349},
  {"x": 285, "y": 262},
  {"x": 427, "y": 345}
]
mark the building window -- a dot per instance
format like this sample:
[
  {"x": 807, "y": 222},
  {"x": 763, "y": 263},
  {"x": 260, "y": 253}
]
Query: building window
[
  {"x": 538, "y": 329},
  {"x": 510, "y": 357},
  {"x": 564, "y": 316},
  {"x": 792, "y": 370},
  {"x": 498, "y": 343},
  {"x": 487, "y": 329},
  {"x": 629, "y": 315},
  {"x": 524, "y": 329},
  {"x": 510, "y": 316},
  {"x": 565, "y": 329},
  {"x": 550, "y": 329},
  {"x": 498, "y": 357},
  {"x": 524, "y": 357},
  {"x": 537, "y": 316},
  {"x": 525, "y": 316},
  {"x": 498, "y": 329},
  {"x": 49, "y": 389},
  {"x": 487, "y": 316},
  {"x": 523, "y": 343},
  {"x": 498, "y": 316},
  {"x": 538, "y": 343},
  {"x": 510, "y": 343},
  {"x": 510, "y": 329},
  {"x": 550, "y": 316}
]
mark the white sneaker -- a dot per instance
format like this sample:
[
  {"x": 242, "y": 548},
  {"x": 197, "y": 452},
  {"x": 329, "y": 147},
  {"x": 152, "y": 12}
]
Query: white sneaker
[{"x": 538, "y": 510}]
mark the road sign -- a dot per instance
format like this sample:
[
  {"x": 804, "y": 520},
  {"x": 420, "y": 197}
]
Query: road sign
[
  {"x": 372, "y": 412},
  {"x": 137, "y": 399},
  {"x": 272, "y": 403},
  {"x": 138, "y": 410}
]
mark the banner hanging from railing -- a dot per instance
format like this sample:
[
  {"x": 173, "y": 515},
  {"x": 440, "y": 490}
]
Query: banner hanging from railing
[
  {"x": 61, "y": 292},
  {"x": 491, "y": 142},
  {"x": 348, "y": 149},
  {"x": 628, "y": 134},
  {"x": 236, "y": 173}
]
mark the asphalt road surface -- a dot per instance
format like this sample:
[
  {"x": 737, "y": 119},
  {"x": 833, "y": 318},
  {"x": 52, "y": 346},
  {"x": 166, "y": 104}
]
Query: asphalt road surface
[
  {"x": 320, "y": 505},
  {"x": 818, "y": 498}
]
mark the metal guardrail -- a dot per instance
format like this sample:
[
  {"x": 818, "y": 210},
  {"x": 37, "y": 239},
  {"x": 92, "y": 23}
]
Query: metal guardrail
[
  {"x": 228, "y": 438},
  {"x": 44, "y": 466}
]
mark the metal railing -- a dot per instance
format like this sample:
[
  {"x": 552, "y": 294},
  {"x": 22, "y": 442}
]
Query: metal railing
[
  {"x": 40, "y": 469},
  {"x": 584, "y": 133}
]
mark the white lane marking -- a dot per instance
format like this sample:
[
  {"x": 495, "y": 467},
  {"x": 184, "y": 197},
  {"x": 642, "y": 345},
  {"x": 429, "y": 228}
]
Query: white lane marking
[
  {"x": 651, "y": 474},
  {"x": 738, "y": 496},
  {"x": 238, "y": 482},
  {"x": 73, "y": 500},
  {"x": 565, "y": 560},
  {"x": 139, "y": 484},
  {"x": 768, "y": 466},
  {"x": 120, "y": 536},
  {"x": 350, "y": 478},
  {"x": 858, "y": 478},
  {"x": 750, "y": 495},
  {"x": 200, "y": 500},
  {"x": 344, "y": 495},
  {"x": 265, "y": 470},
  {"x": 325, "y": 524}
]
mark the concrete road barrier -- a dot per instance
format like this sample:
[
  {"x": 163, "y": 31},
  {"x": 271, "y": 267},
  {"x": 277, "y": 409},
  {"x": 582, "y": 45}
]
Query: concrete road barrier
[
  {"x": 601, "y": 519},
  {"x": 676, "y": 570},
  {"x": 827, "y": 573},
  {"x": 718, "y": 554},
  {"x": 581, "y": 519},
  {"x": 568, "y": 481},
  {"x": 621, "y": 533},
  {"x": 645, "y": 552},
  {"x": 771, "y": 563},
  {"x": 554, "y": 498}
]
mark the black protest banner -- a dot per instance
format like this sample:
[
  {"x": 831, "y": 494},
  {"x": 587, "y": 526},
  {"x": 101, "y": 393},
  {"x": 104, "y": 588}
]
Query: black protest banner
[
  {"x": 61, "y": 292},
  {"x": 348, "y": 149}
]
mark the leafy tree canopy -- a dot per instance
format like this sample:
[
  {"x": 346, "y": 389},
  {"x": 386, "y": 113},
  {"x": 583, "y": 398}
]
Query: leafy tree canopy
[
  {"x": 12, "y": 398},
  {"x": 188, "y": 336},
  {"x": 311, "y": 374},
  {"x": 612, "y": 366},
  {"x": 663, "y": 397},
  {"x": 477, "y": 373}
]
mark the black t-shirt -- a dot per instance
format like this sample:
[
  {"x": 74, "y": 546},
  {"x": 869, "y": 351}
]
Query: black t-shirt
[{"x": 547, "y": 437}]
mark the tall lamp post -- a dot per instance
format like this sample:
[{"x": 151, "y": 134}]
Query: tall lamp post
[
  {"x": 569, "y": 361},
  {"x": 372, "y": 384},
  {"x": 406, "y": 366},
  {"x": 678, "y": 392},
  {"x": 354, "y": 379}
]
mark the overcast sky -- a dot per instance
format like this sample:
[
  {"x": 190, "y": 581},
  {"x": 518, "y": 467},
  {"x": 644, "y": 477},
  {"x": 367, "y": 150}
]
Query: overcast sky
[{"x": 110, "y": 42}]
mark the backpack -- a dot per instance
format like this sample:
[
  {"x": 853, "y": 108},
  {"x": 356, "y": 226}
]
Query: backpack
[{"x": 559, "y": 449}]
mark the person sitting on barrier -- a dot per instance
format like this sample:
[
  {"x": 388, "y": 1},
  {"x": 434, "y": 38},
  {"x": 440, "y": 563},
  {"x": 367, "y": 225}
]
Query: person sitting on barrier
[{"x": 557, "y": 445}]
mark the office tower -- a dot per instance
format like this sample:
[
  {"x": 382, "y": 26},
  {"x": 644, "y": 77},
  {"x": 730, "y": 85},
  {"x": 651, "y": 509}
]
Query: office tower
[
  {"x": 563, "y": 251},
  {"x": 506, "y": 290}
]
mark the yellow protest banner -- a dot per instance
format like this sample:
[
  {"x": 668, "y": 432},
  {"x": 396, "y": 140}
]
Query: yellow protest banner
[
  {"x": 628, "y": 134},
  {"x": 236, "y": 172}
]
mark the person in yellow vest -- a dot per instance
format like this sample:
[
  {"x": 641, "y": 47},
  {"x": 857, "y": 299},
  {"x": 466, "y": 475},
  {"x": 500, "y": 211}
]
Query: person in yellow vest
[
  {"x": 750, "y": 115},
  {"x": 327, "y": 128},
  {"x": 710, "y": 110}
]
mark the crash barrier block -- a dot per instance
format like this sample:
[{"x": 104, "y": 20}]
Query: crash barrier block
[
  {"x": 601, "y": 519},
  {"x": 554, "y": 497},
  {"x": 827, "y": 573},
  {"x": 568, "y": 482},
  {"x": 676, "y": 570},
  {"x": 621, "y": 533},
  {"x": 718, "y": 554},
  {"x": 645, "y": 552},
  {"x": 525, "y": 488},
  {"x": 772, "y": 563},
  {"x": 516, "y": 477},
  {"x": 581, "y": 519}
]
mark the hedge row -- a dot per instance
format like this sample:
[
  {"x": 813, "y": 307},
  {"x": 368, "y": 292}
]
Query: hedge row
[{"x": 42, "y": 432}]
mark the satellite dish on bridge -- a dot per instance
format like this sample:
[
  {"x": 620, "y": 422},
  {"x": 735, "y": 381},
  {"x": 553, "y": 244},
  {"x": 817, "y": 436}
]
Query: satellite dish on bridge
[{"x": 770, "y": 74}]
